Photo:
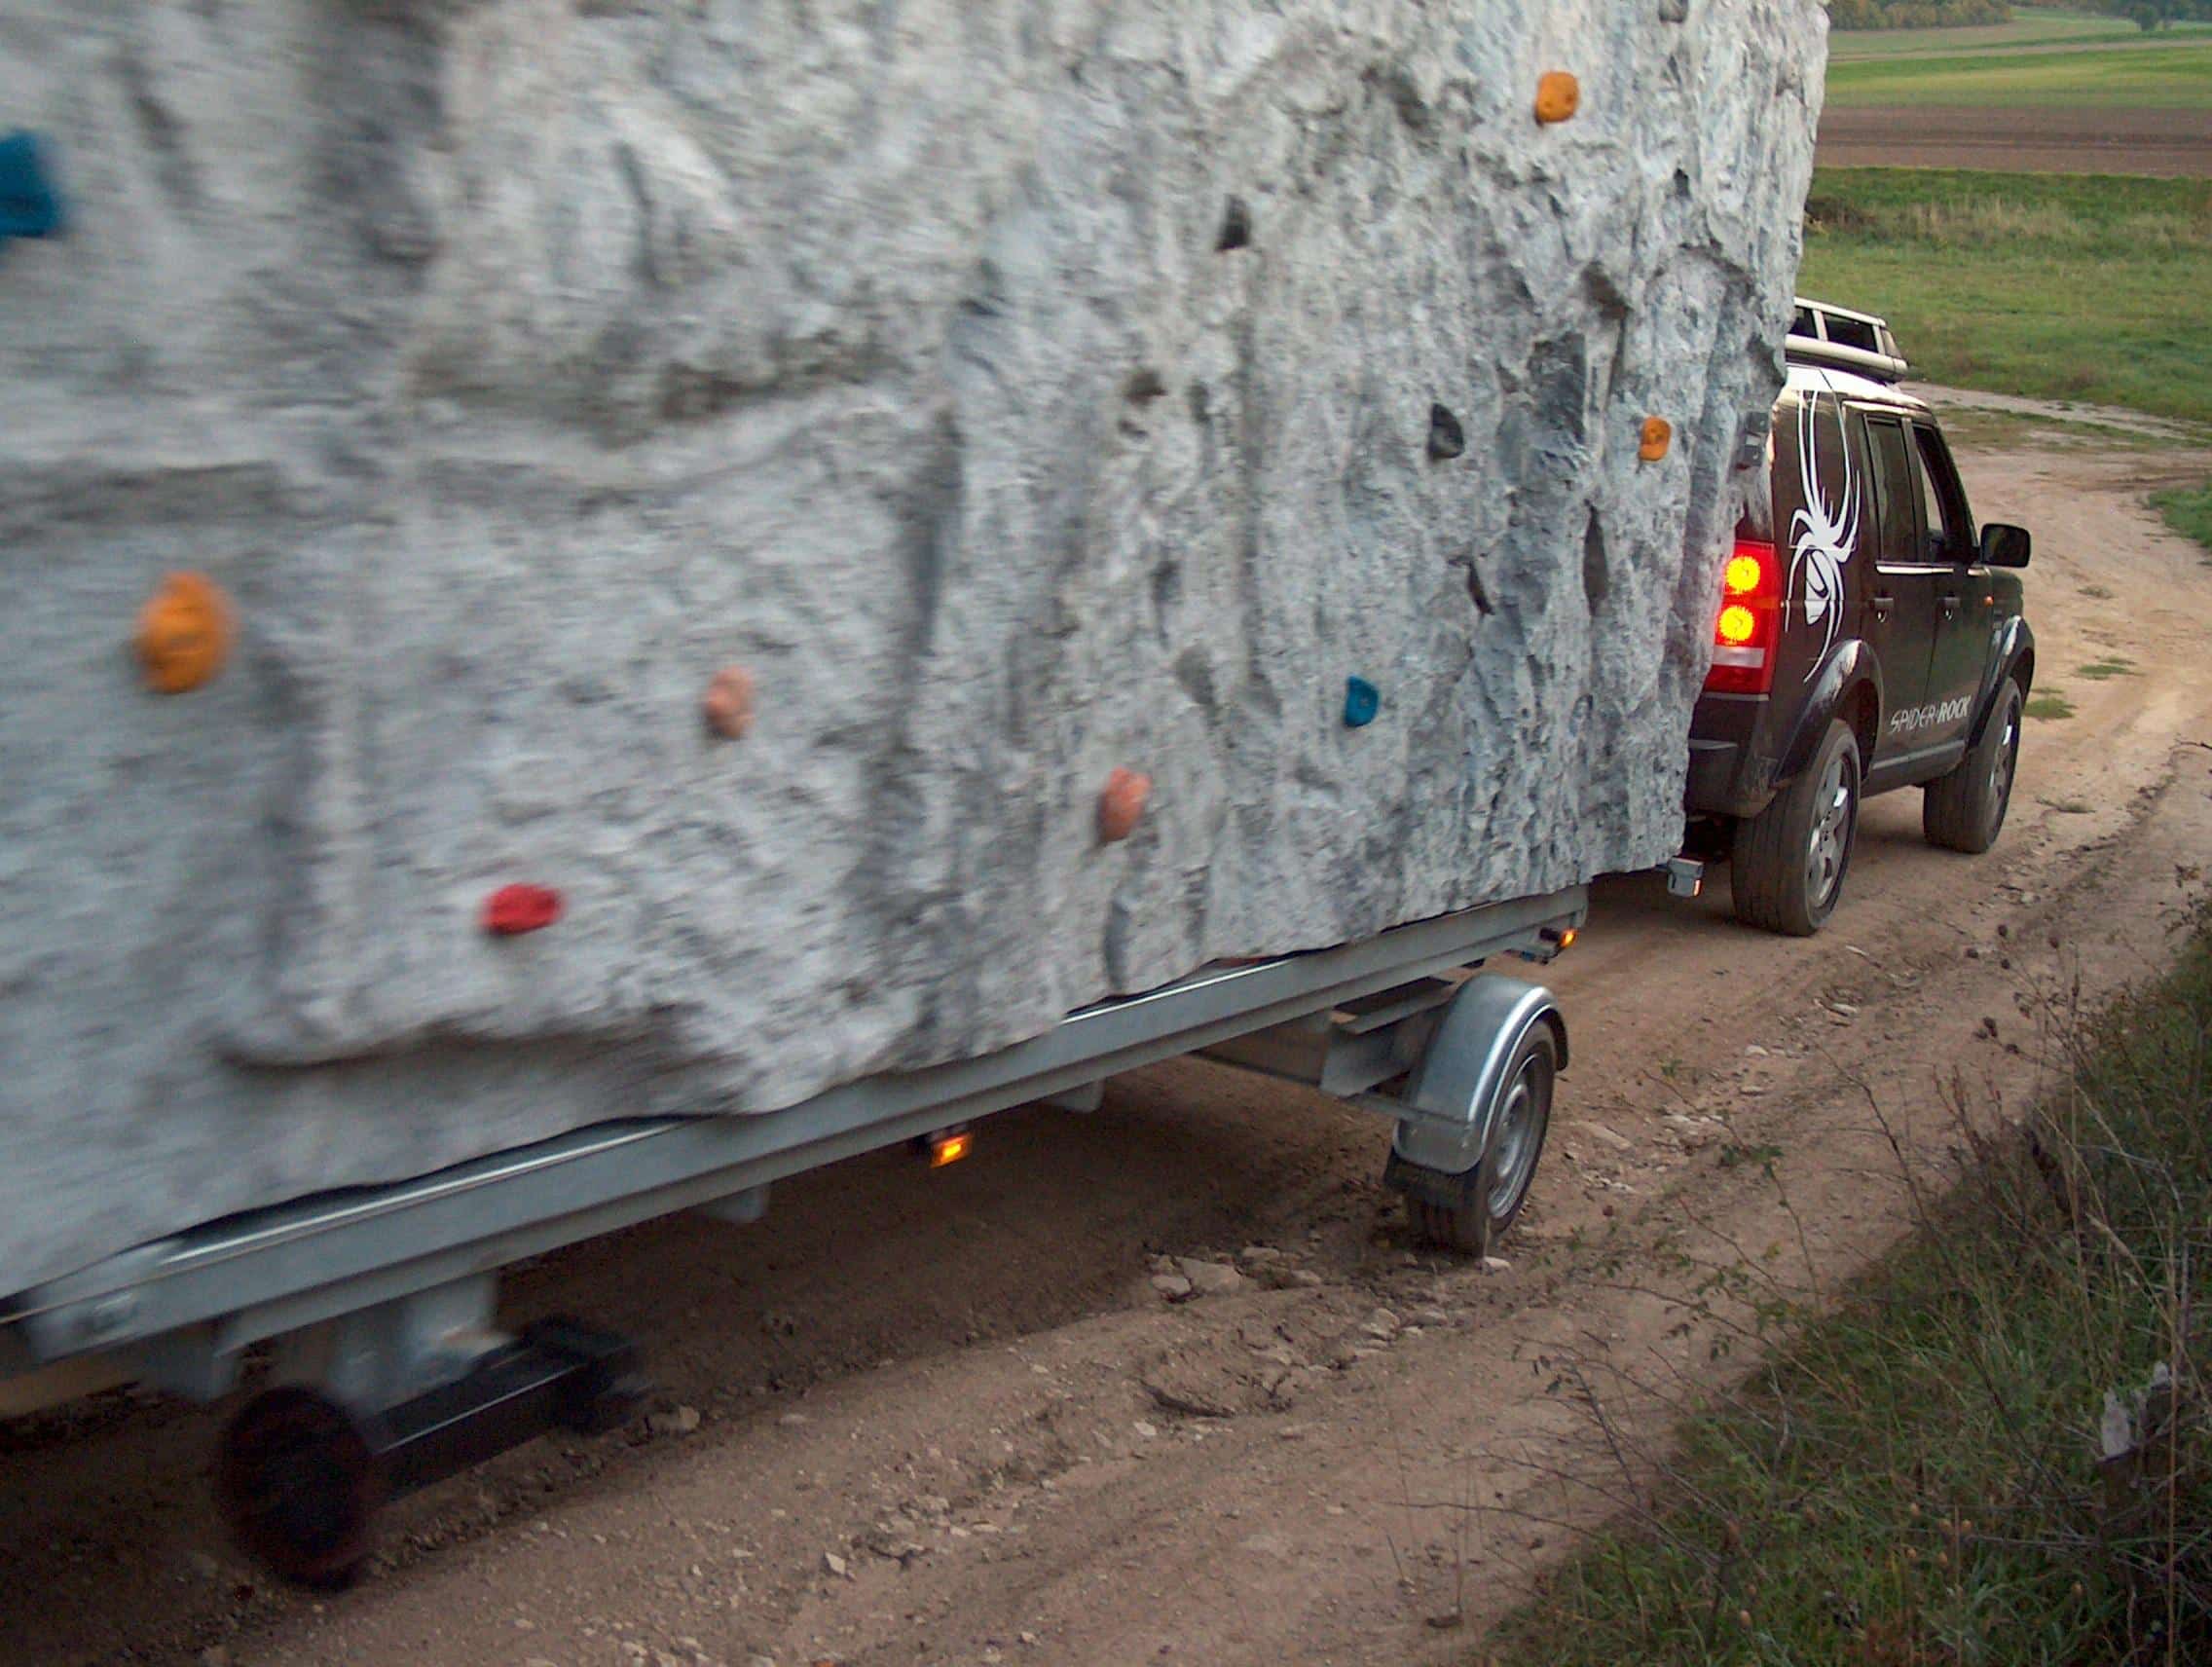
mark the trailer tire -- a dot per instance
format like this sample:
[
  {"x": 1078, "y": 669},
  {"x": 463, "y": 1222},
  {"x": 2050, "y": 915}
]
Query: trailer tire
[
  {"x": 1789, "y": 860},
  {"x": 299, "y": 1487},
  {"x": 1502, "y": 1183}
]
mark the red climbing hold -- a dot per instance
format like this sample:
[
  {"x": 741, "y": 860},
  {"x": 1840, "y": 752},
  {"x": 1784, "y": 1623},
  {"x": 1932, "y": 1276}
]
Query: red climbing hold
[
  {"x": 1121, "y": 805},
  {"x": 513, "y": 910}
]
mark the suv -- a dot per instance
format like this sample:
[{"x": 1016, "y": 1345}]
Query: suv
[{"x": 1867, "y": 638}]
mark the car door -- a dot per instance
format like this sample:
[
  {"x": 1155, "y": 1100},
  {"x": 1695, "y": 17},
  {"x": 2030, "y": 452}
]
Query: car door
[
  {"x": 1898, "y": 606},
  {"x": 1964, "y": 604}
]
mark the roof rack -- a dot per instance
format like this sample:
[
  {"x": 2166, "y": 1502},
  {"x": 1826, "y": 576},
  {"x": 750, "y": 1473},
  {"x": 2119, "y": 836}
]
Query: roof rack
[{"x": 1824, "y": 334}]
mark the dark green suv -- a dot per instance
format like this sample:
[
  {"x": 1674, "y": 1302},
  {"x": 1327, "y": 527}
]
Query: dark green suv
[{"x": 1869, "y": 636}]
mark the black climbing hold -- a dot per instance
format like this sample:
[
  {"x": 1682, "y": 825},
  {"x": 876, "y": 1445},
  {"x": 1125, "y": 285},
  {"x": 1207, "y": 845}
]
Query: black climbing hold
[
  {"x": 1597, "y": 576},
  {"x": 30, "y": 206},
  {"x": 1446, "y": 438},
  {"x": 1236, "y": 227},
  {"x": 1144, "y": 382},
  {"x": 1475, "y": 591},
  {"x": 1362, "y": 700}
]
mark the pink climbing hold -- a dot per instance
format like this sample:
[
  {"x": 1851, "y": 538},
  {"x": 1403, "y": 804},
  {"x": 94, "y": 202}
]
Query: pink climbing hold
[{"x": 729, "y": 703}]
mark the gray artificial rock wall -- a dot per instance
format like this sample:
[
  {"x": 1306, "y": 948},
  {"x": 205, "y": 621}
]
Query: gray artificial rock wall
[{"x": 1015, "y": 388}]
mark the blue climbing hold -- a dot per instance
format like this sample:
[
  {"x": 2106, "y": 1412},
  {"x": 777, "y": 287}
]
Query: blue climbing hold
[
  {"x": 1362, "y": 700},
  {"x": 29, "y": 204}
]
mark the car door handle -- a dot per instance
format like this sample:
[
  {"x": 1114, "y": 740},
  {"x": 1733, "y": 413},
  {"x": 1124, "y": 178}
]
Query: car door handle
[
  {"x": 1883, "y": 602},
  {"x": 1950, "y": 600}
]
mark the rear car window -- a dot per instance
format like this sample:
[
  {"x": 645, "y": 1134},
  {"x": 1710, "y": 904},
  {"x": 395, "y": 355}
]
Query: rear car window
[{"x": 1854, "y": 333}]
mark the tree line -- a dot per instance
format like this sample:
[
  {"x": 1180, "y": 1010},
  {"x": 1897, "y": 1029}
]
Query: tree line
[{"x": 1914, "y": 14}]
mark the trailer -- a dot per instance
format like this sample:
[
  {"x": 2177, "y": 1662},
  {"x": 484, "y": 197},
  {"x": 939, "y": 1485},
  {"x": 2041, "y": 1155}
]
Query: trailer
[{"x": 388, "y": 1371}]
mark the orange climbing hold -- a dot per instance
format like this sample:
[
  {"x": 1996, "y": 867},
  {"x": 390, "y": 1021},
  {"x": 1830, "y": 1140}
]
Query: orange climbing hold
[
  {"x": 729, "y": 703},
  {"x": 1658, "y": 434},
  {"x": 1557, "y": 95},
  {"x": 1121, "y": 805},
  {"x": 184, "y": 633}
]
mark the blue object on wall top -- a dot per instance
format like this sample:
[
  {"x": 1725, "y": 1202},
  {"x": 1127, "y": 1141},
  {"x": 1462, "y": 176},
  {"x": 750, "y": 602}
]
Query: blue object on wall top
[
  {"x": 1362, "y": 700},
  {"x": 29, "y": 204}
]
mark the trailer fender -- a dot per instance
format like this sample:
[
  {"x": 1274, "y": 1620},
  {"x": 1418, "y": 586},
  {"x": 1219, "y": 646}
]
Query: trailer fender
[
  {"x": 1848, "y": 686},
  {"x": 1461, "y": 1081}
]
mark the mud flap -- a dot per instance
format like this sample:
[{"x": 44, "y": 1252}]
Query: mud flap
[
  {"x": 1455, "y": 1199},
  {"x": 1434, "y": 1186}
]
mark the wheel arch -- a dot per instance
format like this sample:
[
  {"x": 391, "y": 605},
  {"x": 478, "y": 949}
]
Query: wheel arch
[
  {"x": 1862, "y": 708},
  {"x": 2016, "y": 660},
  {"x": 1848, "y": 686}
]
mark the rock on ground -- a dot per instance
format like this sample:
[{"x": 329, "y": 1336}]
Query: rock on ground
[
  {"x": 1012, "y": 391},
  {"x": 1210, "y": 1278}
]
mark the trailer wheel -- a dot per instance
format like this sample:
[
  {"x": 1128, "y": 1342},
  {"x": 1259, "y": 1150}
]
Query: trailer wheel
[
  {"x": 1486, "y": 1211},
  {"x": 298, "y": 1484}
]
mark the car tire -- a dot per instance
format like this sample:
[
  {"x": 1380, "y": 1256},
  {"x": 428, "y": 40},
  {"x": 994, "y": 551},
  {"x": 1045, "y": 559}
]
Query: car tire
[
  {"x": 1964, "y": 810},
  {"x": 1789, "y": 862}
]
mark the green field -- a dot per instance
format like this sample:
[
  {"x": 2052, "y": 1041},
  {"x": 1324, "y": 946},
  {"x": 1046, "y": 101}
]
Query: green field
[
  {"x": 2051, "y": 285},
  {"x": 2173, "y": 72},
  {"x": 2031, "y": 28}
]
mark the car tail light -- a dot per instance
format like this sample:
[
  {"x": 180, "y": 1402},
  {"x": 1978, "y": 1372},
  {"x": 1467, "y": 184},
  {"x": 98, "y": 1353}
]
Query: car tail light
[{"x": 1744, "y": 634}]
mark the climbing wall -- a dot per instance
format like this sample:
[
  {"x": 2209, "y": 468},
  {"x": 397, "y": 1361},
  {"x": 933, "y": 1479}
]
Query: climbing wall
[{"x": 575, "y": 560}]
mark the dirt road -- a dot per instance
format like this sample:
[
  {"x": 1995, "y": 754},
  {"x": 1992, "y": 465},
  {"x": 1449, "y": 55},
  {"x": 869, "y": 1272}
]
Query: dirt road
[
  {"x": 2170, "y": 144},
  {"x": 947, "y": 1417}
]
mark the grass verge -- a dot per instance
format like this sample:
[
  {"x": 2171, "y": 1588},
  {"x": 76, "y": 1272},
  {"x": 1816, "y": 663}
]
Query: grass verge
[
  {"x": 2104, "y": 670},
  {"x": 2188, "y": 511},
  {"x": 2049, "y": 703},
  {"x": 2054, "y": 286},
  {"x": 1997, "y": 1447}
]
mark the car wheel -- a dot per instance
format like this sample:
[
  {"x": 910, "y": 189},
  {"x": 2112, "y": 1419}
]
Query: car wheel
[
  {"x": 1789, "y": 862},
  {"x": 1964, "y": 810}
]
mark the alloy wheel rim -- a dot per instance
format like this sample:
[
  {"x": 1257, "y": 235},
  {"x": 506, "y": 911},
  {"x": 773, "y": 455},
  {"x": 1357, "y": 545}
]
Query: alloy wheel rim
[
  {"x": 1831, "y": 840},
  {"x": 2008, "y": 757}
]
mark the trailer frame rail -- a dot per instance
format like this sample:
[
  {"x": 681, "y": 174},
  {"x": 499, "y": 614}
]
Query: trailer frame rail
[{"x": 189, "y": 1304}]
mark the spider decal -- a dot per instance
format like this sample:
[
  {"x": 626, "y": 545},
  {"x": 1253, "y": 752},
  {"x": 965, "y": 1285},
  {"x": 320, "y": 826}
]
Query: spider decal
[{"x": 1821, "y": 538}]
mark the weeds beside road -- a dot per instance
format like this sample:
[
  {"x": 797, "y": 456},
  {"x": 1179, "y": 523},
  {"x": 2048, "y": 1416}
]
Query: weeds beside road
[
  {"x": 1997, "y": 1447},
  {"x": 2187, "y": 512}
]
